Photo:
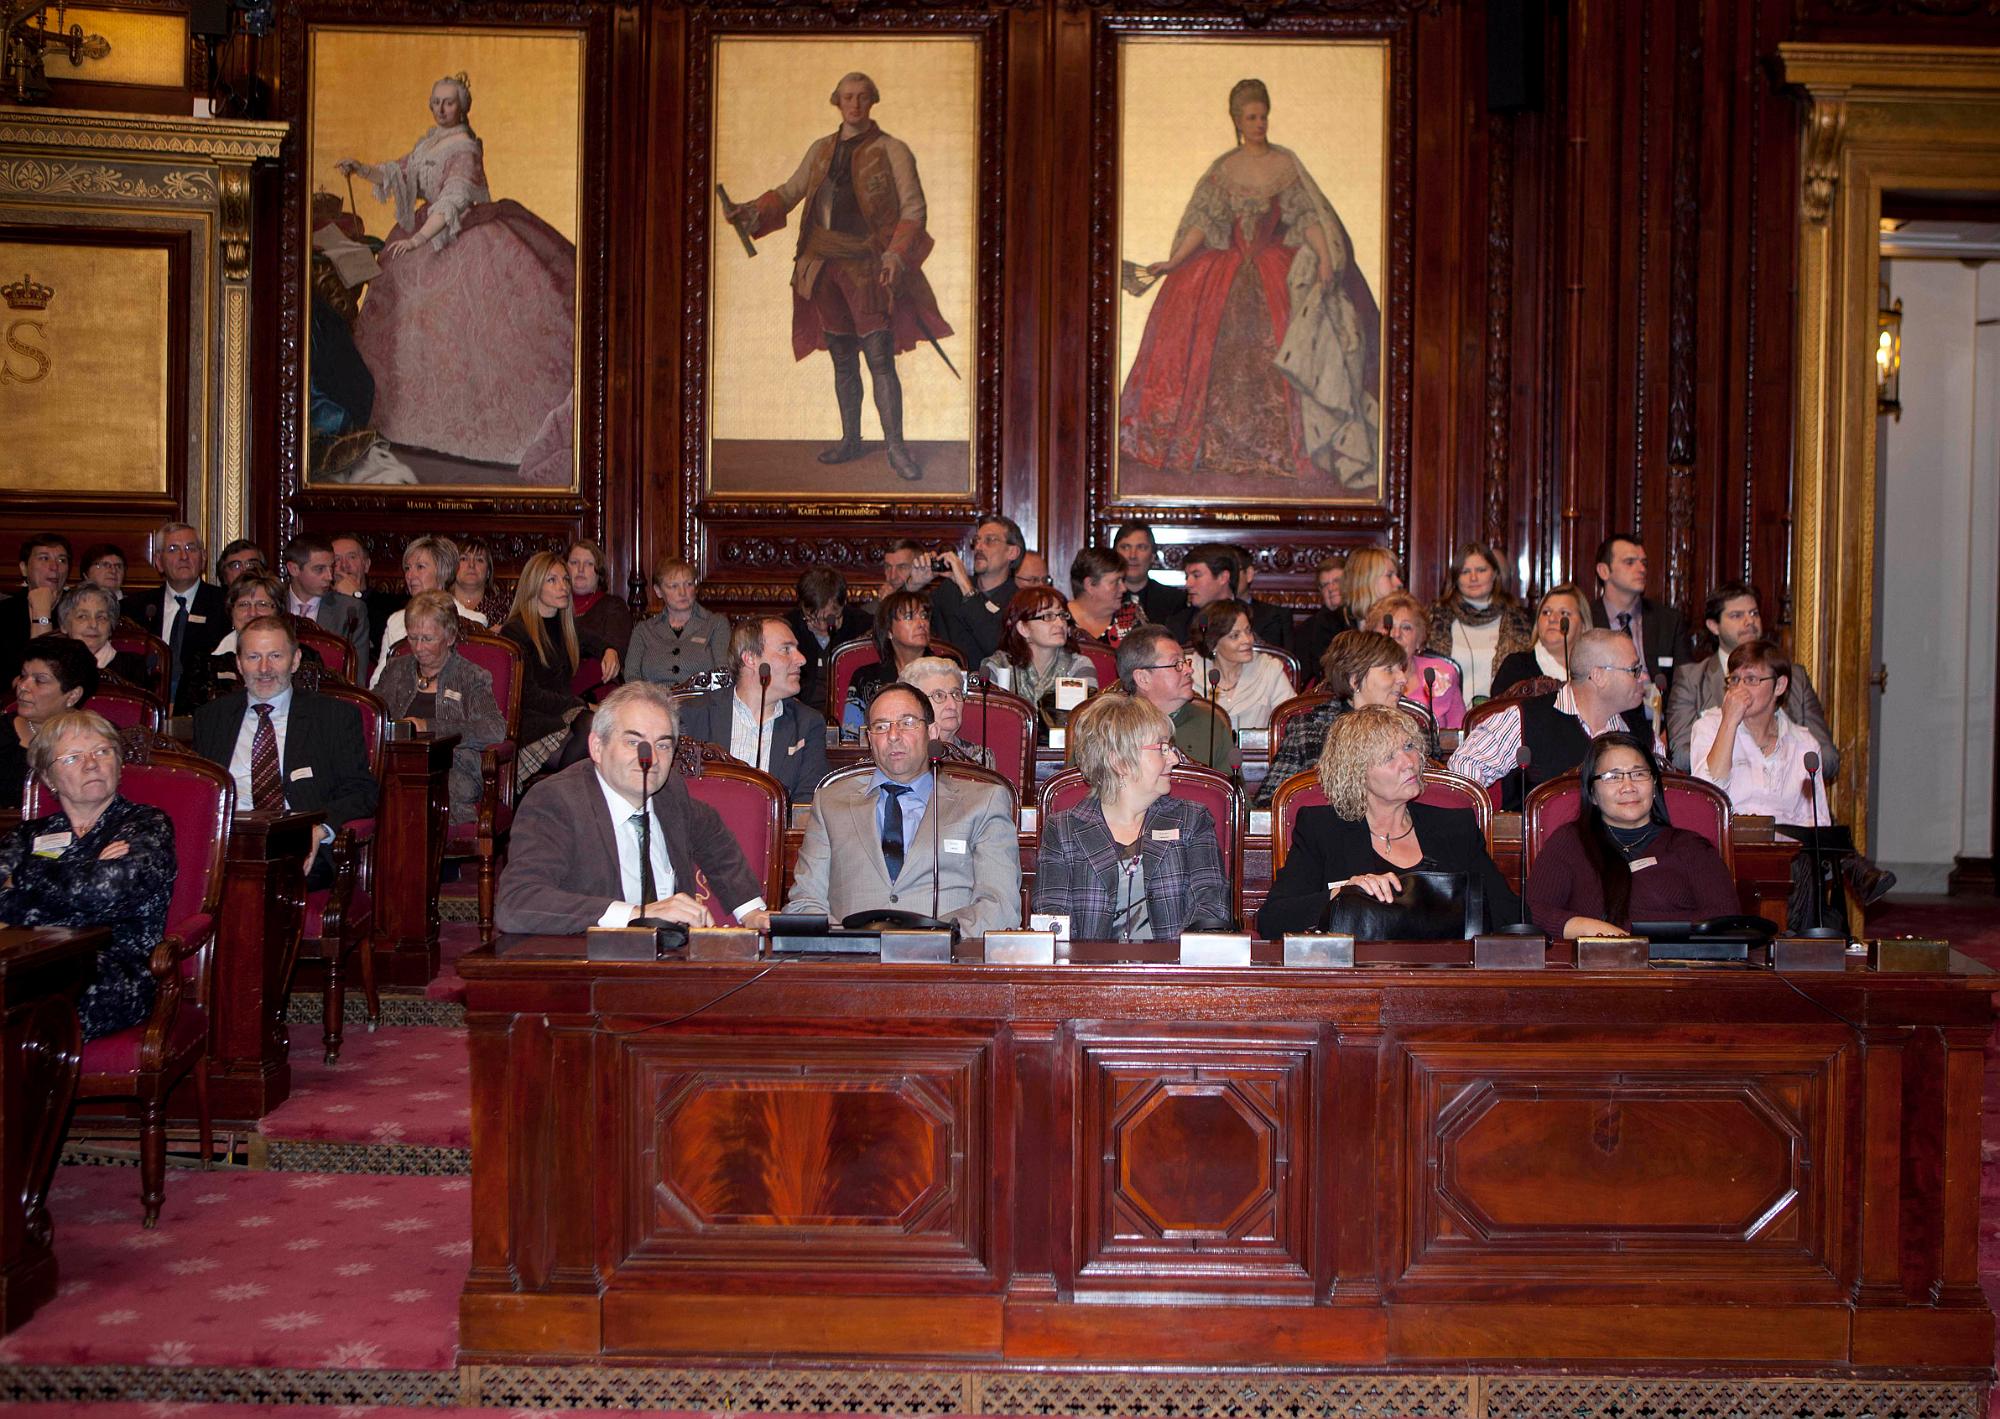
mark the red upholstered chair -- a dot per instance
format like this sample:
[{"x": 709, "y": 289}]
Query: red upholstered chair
[
  {"x": 483, "y": 838},
  {"x": 849, "y": 656},
  {"x": 1191, "y": 783},
  {"x": 1521, "y": 689},
  {"x": 1103, "y": 659},
  {"x": 334, "y": 651},
  {"x": 339, "y": 919},
  {"x": 1005, "y": 723},
  {"x": 1421, "y": 717},
  {"x": 131, "y": 637},
  {"x": 1284, "y": 658},
  {"x": 1485, "y": 709},
  {"x": 129, "y": 707},
  {"x": 1297, "y": 707},
  {"x": 1442, "y": 789},
  {"x": 144, "y": 1062},
  {"x": 753, "y": 807},
  {"x": 1693, "y": 804}
]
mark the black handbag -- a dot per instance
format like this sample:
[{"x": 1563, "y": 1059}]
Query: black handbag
[{"x": 1433, "y": 906}]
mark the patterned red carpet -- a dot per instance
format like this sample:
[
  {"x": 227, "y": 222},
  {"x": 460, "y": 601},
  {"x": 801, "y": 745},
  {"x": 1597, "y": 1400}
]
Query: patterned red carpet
[{"x": 400, "y": 1084}]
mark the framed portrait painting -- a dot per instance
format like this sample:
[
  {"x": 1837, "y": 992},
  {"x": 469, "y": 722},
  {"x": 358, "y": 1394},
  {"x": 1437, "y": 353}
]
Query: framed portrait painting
[
  {"x": 843, "y": 245},
  {"x": 1252, "y": 211},
  {"x": 444, "y": 187}
]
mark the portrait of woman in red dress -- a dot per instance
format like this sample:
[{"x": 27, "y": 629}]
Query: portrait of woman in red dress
[{"x": 1261, "y": 356}]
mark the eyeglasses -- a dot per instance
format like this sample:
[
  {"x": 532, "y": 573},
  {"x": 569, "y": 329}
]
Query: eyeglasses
[
  {"x": 1180, "y": 664},
  {"x": 1637, "y": 670},
  {"x": 1625, "y": 776},
  {"x": 947, "y": 697},
  {"x": 1164, "y": 748},
  {"x": 238, "y": 563},
  {"x": 1062, "y": 616},
  {"x": 1734, "y": 680},
  {"x": 96, "y": 756},
  {"x": 882, "y": 728},
  {"x": 180, "y": 547}
]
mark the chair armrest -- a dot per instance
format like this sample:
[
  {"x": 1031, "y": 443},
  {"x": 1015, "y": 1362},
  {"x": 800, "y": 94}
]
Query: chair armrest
[
  {"x": 340, "y": 897},
  {"x": 362, "y": 829}
]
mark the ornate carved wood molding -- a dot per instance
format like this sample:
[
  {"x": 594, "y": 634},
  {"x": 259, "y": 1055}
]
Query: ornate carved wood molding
[
  {"x": 1683, "y": 296},
  {"x": 1819, "y": 156},
  {"x": 1499, "y": 326}
]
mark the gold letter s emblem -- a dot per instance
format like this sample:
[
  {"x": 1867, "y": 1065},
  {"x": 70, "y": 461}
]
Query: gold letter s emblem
[{"x": 40, "y": 363}]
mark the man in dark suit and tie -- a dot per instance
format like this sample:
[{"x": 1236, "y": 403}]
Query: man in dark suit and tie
[
  {"x": 788, "y": 742},
  {"x": 287, "y": 749},
  {"x": 310, "y": 596},
  {"x": 187, "y": 612},
  {"x": 1159, "y": 602},
  {"x": 1622, "y": 605},
  {"x": 576, "y": 858}
]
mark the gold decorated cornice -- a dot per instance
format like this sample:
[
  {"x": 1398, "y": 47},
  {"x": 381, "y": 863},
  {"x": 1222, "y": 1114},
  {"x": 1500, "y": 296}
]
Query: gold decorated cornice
[
  {"x": 1864, "y": 69},
  {"x": 215, "y": 140},
  {"x": 55, "y": 177}
]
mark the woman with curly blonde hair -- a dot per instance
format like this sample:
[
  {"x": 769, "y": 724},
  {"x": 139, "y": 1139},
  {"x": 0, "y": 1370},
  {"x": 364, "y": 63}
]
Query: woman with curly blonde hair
[{"x": 1373, "y": 828}]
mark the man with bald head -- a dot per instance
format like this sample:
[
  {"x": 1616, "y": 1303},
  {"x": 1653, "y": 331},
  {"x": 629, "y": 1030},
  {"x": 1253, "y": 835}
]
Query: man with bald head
[{"x": 1607, "y": 681}]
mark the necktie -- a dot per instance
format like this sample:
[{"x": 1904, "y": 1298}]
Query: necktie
[
  {"x": 892, "y": 827},
  {"x": 1625, "y": 622},
  {"x": 645, "y": 859},
  {"x": 174, "y": 639},
  {"x": 267, "y": 783}
]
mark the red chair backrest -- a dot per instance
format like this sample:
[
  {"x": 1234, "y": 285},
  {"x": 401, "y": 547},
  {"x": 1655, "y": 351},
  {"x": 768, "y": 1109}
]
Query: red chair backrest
[
  {"x": 127, "y": 707},
  {"x": 1285, "y": 658},
  {"x": 1004, "y": 723},
  {"x": 1288, "y": 710},
  {"x": 847, "y": 658},
  {"x": 136, "y": 639},
  {"x": 1534, "y": 685},
  {"x": 1693, "y": 804},
  {"x": 752, "y": 805},
  {"x": 334, "y": 651},
  {"x": 1486, "y": 709},
  {"x": 500, "y": 658},
  {"x": 1103, "y": 659},
  {"x": 199, "y": 798},
  {"x": 374, "y": 716},
  {"x": 1442, "y": 789},
  {"x": 1192, "y": 783}
]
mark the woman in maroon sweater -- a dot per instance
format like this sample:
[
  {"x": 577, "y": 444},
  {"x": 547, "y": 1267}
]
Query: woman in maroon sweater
[{"x": 1621, "y": 861}]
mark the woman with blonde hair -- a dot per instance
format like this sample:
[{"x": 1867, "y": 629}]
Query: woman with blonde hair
[
  {"x": 1561, "y": 617},
  {"x": 1130, "y": 863},
  {"x": 1477, "y": 621},
  {"x": 685, "y": 640},
  {"x": 1371, "y": 574},
  {"x": 1373, "y": 830},
  {"x": 429, "y": 564},
  {"x": 540, "y": 623}
]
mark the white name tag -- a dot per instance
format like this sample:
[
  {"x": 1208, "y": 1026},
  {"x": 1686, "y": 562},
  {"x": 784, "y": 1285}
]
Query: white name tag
[
  {"x": 453, "y": 695},
  {"x": 195, "y": 618},
  {"x": 698, "y": 640},
  {"x": 992, "y": 608},
  {"x": 795, "y": 748},
  {"x": 1643, "y": 862},
  {"x": 1166, "y": 835},
  {"x": 302, "y": 771},
  {"x": 53, "y": 844},
  {"x": 1070, "y": 692},
  {"x": 954, "y": 845}
]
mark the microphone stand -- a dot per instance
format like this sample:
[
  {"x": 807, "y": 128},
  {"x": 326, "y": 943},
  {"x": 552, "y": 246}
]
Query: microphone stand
[
  {"x": 645, "y": 756},
  {"x": 763, "y": 690},
  {"x": 936, "y": 813},
  {"x": 1819, "y": 926},
  {"x": 1430, "y": 694},
  {"x": 985, "y": 684},
  {"x": 1214, "y": 679}
]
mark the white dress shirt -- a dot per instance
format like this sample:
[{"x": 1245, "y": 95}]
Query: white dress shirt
[
  {"x": 626, "y": 832},
  {"x": 172, "y": 609},
  {"x": 743, "y": 734},
  {"x": 1772, "y": 784}
]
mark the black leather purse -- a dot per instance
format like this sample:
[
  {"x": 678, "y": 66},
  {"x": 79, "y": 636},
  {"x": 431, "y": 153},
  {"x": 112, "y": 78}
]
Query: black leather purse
[{"x": 1433, "y": 906}]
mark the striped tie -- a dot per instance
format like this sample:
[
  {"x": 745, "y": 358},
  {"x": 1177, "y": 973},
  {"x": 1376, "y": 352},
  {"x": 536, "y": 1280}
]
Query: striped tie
[{"x": 267, "y": 783}]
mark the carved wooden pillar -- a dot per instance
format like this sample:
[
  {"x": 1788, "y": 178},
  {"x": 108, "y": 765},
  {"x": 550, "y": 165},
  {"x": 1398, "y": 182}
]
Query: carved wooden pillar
[
  {"x": 1494, "y": 523},
  {"x": 1683, "y": 293}
]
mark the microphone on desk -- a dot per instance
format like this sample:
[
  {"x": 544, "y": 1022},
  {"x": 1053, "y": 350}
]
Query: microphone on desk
[
  {"x": 1430, "y": 693},
  {"x": 1819, "y": 884},
  {"x": 763, "y": 689},
  {"x": 644, "y": 753}
]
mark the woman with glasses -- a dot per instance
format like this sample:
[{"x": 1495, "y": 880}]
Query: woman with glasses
[
  {"x": 1562, "y": 616},
  {"x": 1130, "y": 863},
  {"x": 98, "y": 860},
  {"x": 943, "y": 684},
  {"x": 1248, "y": 685},
  {"x": 88, "y": 613},
  {"x": 58, "y": 675},
  {"x": 685, "y": 640},
  {"x": 1373, "y": 829},
  {"x": 1035, "y": 652},
  {"x": 1621, "y": 861},
  {"x": 902, "y": 637}
]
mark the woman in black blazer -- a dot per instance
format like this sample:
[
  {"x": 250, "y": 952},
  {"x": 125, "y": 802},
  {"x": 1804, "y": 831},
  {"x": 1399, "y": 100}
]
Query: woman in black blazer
[{"x": 1373, "y": 829}]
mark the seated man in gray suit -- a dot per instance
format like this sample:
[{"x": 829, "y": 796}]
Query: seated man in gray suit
[
  {"x": 311, "y": 597},
  {"x": 575, "y": 862},
  {"x": 869, "y": 845},
  {"x": 790, "y": 746},
  {"x": 1733, "y": 618}
]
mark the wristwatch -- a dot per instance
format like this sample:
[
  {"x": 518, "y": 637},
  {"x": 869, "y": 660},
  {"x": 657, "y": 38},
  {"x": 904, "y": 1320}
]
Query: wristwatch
[{"x": 41, "y": 621}]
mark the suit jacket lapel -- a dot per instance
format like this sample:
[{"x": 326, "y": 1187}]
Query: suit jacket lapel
[
  {"x": 860, "y": 818},
  {"x": 1711, "y": 683}
]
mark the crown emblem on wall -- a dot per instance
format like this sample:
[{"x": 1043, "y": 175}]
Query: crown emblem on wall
[{"x": 27, "y": 294}]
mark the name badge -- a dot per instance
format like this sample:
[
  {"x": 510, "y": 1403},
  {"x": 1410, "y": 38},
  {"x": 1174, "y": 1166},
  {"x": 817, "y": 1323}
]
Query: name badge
[
  {"x": 302, "y": 771},
  {"x": 1638, "y": 863},
  {"x": 1166, "y": 835},
  {"x": 953, "y": 845},
  {"x": 452, "y": 695},
  {"x": 53, "y": 844},
  {"x": 195, "y": 618},
  {"x": 699, "y": 640},
  {"x": 992, "y": 608},
  {"x": 795, "y": 748},
  {"x": 1665, "y": 662}
]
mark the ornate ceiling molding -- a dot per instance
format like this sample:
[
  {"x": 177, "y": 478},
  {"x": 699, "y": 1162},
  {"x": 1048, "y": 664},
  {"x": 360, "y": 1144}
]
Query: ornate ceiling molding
[{"x": 76, "y": 130}]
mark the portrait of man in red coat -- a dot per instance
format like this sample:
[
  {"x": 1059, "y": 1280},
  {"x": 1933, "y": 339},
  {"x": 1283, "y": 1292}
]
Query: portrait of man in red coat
[{"x": 858, "y": 287}]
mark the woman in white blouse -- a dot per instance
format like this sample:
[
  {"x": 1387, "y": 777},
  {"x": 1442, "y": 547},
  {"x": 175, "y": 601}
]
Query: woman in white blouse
[{"x": 1247, "y": 684}]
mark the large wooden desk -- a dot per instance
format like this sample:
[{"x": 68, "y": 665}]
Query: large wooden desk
[
  {"x": 42, "y": 972},
  {"x": 1422, "y": 1169}
]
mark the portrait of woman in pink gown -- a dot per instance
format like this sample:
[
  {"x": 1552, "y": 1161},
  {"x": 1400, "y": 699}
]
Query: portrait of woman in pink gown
[
  {"x": 1261, "y": 356},
  {"x": 470, "y": 329}
]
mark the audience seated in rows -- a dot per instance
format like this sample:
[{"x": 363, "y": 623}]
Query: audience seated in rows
[
  {"x": 58, "y": 675},
  {"x": 1373, "y": 833},
  {"x": 685, "y": 640},
  {"x": 311, "y": 597},
  {"x": 1477, "y": 622},
  {"x": 576, "y": 860},
  {"x": 1620, "y": 860},
  {"x": 943, "y": 684},
  {"x": 1360, "y": 668},
  {"x": 1733, "y": 617},
  {"x": 1130, "y": 863},
  {"x": 1561, "y": 616},
  {"x": 1607, "y": 681},
  {"x": 902, "y": 636},
  {"x": 820, "y": 620},
  {"x": 98, "y": 860},
  {"x": 871, "y": 847},
  {"x": 1217, "y": 572},
  {"x": 552, "y": 645},
  {"x": 1035, "y": 652},
  {"x": 788, "y": 742},
  {"x": 287, "y": 748},
  {"x": 88, "y": 613},
  {"x": 1247, "y": 686},
  {"x": 440, "y": 692},
  {"x": 1152, "y": 665},
  {"x": 1435, "y": 681},
  {"x": 969, "y": 606}
]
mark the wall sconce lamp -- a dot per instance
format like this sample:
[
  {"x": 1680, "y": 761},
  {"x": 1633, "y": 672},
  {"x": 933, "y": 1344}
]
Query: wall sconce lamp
[
  {"x": 26, "y": 40},
  {"x": 1889, "y": 360}
]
